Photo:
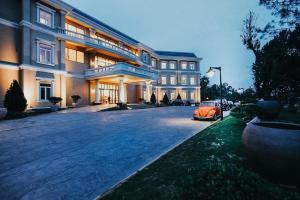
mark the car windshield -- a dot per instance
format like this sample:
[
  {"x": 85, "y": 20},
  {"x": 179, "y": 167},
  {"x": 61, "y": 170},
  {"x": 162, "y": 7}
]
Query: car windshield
[{"x": 208, "y": 103}]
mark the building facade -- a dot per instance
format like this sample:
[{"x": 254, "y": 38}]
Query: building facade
[{"x": 54, "y": 49}]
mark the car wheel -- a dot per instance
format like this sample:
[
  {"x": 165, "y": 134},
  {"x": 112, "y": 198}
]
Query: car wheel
[
  {"x": 215, "y": 117},
  {"x": 195, "y": 118}
]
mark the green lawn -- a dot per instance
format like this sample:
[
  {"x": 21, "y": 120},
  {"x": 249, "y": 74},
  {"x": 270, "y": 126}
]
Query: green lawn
[{"x": 210, "y": 165}]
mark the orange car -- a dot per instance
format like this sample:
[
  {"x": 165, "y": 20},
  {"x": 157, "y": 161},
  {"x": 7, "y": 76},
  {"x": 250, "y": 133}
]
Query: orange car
[{"x": 207, "y": 110}]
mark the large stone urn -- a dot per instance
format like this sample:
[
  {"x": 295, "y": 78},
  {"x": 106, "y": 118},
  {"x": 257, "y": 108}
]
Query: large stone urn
[
  {"x": 270, "y": 108},
  {"x": 274, "y": 147},
  {"x": 3, "y": 112}
]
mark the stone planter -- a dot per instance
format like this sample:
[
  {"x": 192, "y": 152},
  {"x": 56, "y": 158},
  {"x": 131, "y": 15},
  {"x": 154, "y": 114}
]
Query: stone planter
[
  {"x": 3, "y": 112},
  {"x": 73, "y": 105},
  {"x": 275, "y": 148},
  {"x": 271, "y": 108}
]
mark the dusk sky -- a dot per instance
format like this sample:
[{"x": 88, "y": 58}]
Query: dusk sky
[{"x": 211, "y": 29}]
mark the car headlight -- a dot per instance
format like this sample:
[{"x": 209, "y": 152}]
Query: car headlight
[{"x": 211, "y": 113}]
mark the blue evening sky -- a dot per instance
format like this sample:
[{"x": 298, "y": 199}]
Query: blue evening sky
[{"x": 209, "y": 28}]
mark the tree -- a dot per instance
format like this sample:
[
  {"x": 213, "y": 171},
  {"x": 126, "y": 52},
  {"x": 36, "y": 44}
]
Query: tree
[
  {"x": 153, "y": 99},
  {"x": 285, "y": 12},
  {"x": 204, "y": 81},
  {"x": 15, "y": 100},
  {"x": 166, "y": 99},
  {"x": 178, "y": 97}
]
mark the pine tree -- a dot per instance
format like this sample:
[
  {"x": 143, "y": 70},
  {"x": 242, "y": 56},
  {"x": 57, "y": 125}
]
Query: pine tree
[
  {"x": 15, "y": 100},
  {"x": 178, "y": 97},
  {"x": 166, "y": 99},
  {"x": 153, "y": 99}
]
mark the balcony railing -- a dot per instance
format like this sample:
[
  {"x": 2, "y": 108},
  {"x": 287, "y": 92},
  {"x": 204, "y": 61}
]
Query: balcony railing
[
  {"x": 122, "y": 68},
  {"x": 87, "y": 38}
]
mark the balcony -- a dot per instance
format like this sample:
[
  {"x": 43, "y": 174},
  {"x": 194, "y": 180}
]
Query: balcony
[
  {"x": 93, "y": 42},
  {"x": 122, "y": 68}
]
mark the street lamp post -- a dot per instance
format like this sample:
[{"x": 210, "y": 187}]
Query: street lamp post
[{"x": 210, "y": 73}]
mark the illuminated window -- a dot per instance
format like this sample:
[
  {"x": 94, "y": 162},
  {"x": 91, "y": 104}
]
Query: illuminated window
[
  {"x": 80, "y": 57},
  {"x": 173, "y": 95},
  {"x": 45, "y": 91},
  {"x": 45, "y": 54},
  {"x": 192, "y": 66},
  {"x": 184, "y": 80},
  {"x": 192, "y": 80},
  {"x": 172, "y": 65},
  {"x": 183, "y": 65},
  {"x": 192, "y": 95},
  {"x": 183, "y": 94},
  {"x": 74, "y": 55},
  {"x": 172, "y": 80},
  {"x": 74, "y": 31},
  {"x": 163, "y": 80},
  {"x": 103, "y": 62},
  {"x": 163, "y": 65}
]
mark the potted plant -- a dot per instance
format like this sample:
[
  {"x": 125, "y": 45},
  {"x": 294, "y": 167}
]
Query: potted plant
[
  {"x": 75, "y": 99},
  {"x": 54, "y": 101}
]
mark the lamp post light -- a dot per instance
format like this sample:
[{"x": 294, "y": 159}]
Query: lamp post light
[{"x": 210, "y": 73}]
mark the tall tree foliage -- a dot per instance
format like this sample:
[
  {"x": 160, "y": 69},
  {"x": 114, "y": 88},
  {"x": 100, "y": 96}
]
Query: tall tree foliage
[{"x": 286, "y": 15}]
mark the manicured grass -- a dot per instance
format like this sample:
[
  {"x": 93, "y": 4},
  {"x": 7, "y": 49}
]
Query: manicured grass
[{"x": 210, "y": 165}]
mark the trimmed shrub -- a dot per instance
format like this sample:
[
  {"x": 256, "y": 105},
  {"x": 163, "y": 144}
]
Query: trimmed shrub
[
  {"x": 75, "y": 98},
  {"x": 54, "y": 100},
  {"x": 153, "y": 98},
  {"x": 178, "y": 96},
  {"x": 166, "y": 99},
  {"x": 15, "y": 100}
]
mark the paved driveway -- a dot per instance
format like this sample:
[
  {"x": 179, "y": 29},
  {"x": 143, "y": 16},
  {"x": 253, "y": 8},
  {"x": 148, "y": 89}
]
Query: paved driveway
[{"x": 79, "y": 154}]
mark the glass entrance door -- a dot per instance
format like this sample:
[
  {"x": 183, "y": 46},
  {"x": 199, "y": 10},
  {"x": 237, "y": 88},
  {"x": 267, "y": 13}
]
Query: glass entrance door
[{"x": 109, "y": 94}]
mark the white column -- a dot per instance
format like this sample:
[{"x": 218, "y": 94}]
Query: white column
[
  {"x": 38, "y": 90},
  {"x": 97, "y": 92},
  {"x": 148, "y": 91},
  {"x": 121, "y": 91}
]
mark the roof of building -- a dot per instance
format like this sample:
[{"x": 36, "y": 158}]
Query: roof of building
[
  {"x": 103, "y": 24},
  {"x": 173, "y": 53}
]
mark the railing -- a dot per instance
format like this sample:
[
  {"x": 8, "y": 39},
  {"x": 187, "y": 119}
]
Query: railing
[
  {"x": 96, "y": 41},
  {"x": 122, "y": 67}
]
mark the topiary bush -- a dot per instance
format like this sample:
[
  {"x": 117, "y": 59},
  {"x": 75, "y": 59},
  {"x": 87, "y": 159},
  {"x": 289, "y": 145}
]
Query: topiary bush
[
  {"x": 153, "y": 99},
  {"x": 75, "y": 98},
  {"x": 54, "y": 100},
  {"x": 15, "y": 100},
  {"x": 166, "y": 99}
]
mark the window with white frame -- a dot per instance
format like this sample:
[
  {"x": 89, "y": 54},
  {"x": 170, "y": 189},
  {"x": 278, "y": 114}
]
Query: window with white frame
[
  {"x": 153, "y": 62},
  {"x": 163, "y": 65},
  {"x": 192, "y": 65},
  {"x": 184, "y": 79},
  {"x": 103, "y": 62},
  {"x": 45, "y": 91},
  {"x": 163, "y": 80},
  {"x": 172, "y": 65},
  {"x": 183, "y": 65},
  {"x": 192, "y": 80},
  {"x": 45, "y": 53},
  {"x": 45, "y": 15},
  {"x": 172, "y": 80}
]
